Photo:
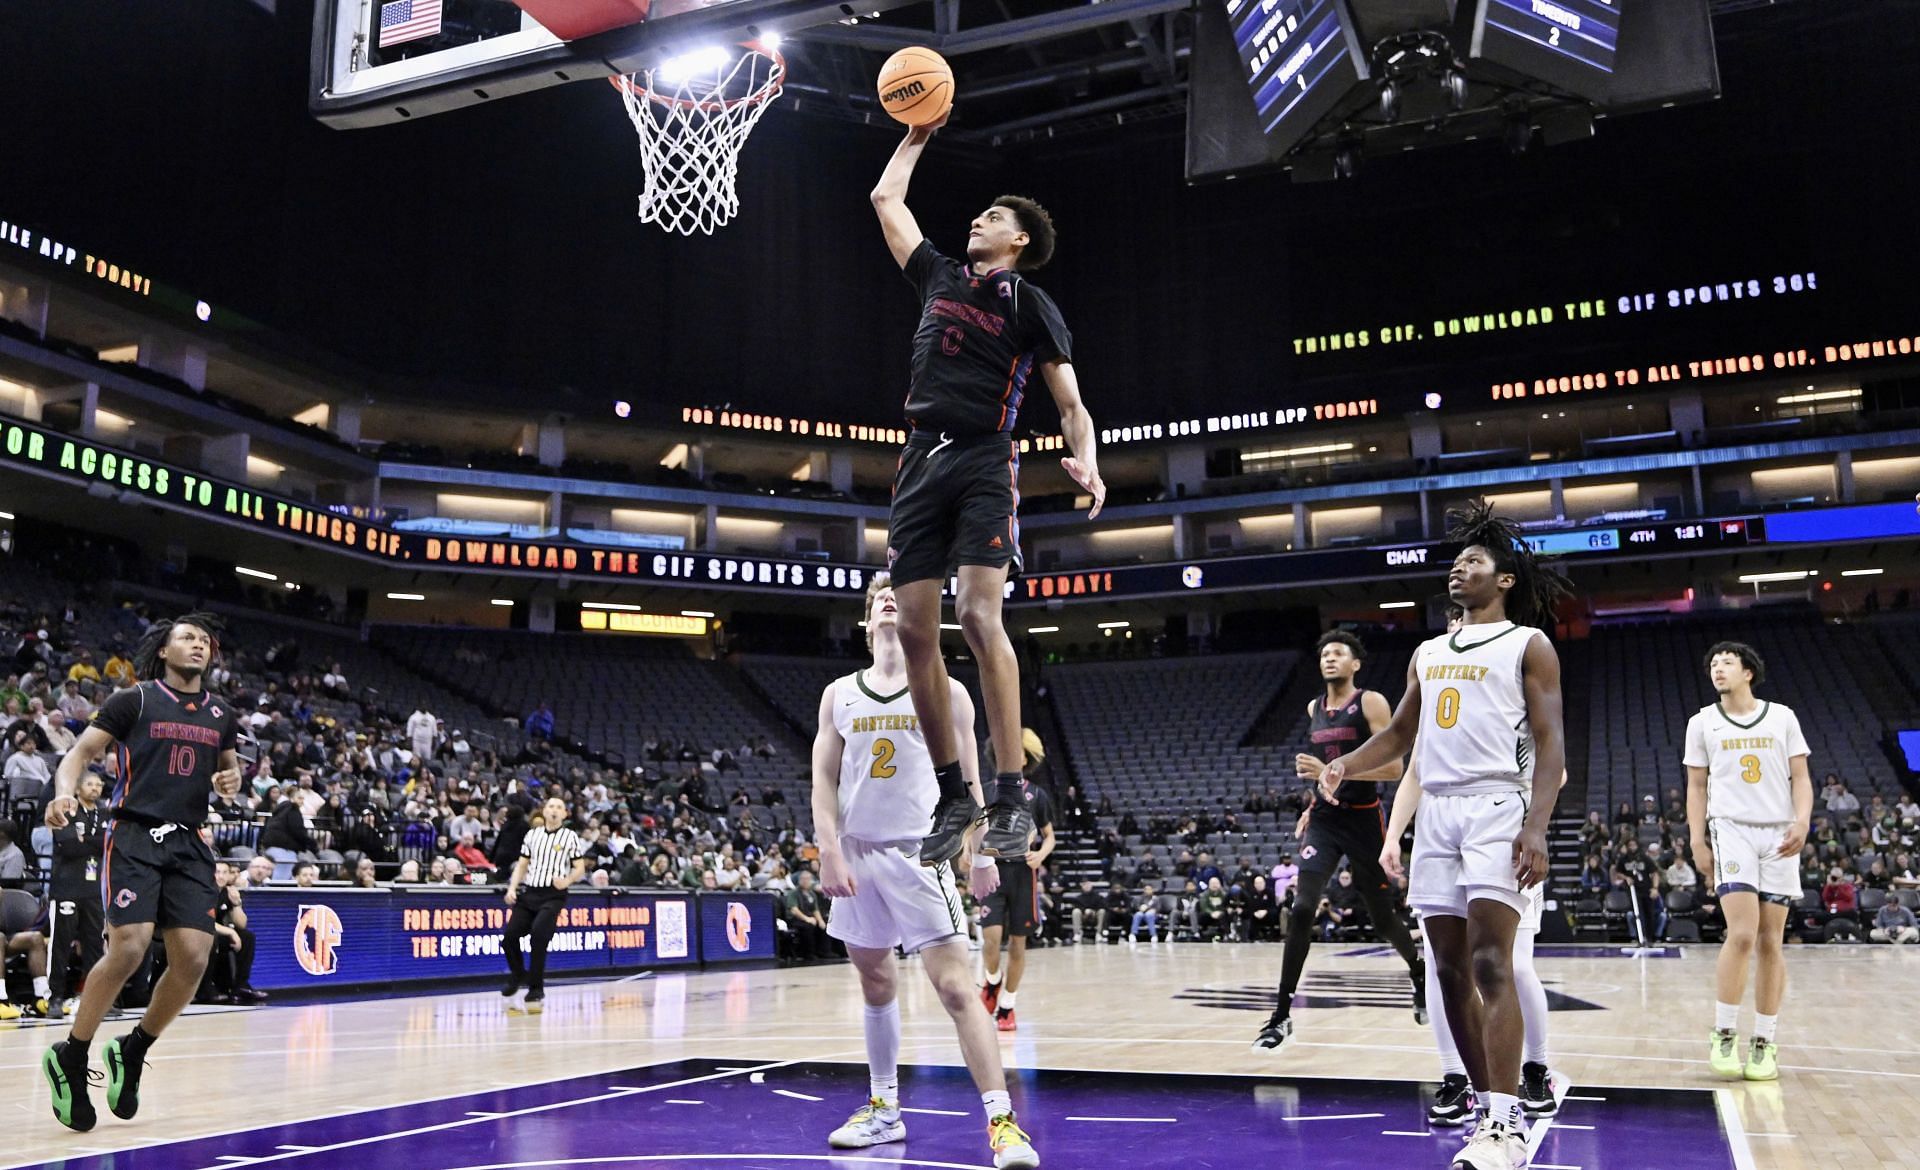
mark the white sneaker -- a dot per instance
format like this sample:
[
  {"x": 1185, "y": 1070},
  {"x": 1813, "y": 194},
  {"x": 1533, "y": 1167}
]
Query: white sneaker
[
  {"x": 1494, "y": 1147},
  {"x": 873, "y": 1124}
]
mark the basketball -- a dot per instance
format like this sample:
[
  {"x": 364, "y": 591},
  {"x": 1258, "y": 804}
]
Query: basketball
[{"x": 916, "y": 86}]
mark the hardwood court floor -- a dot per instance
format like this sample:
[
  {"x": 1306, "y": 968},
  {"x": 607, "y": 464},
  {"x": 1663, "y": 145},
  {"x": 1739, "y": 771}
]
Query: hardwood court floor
[{"x": 1849, "y": 1094}]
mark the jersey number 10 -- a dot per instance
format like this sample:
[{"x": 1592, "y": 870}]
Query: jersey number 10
[{"x": 181, "y": 759}]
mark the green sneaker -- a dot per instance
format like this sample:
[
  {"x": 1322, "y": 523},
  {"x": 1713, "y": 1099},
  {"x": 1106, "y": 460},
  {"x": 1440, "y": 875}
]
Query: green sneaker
[
  {"x": 1761, "y": 1062},
  {"x": 123, "y": 1078},
  {"x": 66, "y": 1071},
  {"x": 1725, "y": 1056}
]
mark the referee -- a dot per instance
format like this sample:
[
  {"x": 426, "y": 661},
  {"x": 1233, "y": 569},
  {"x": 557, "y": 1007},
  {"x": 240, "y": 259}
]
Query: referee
[{"x": 551, "y": 858}]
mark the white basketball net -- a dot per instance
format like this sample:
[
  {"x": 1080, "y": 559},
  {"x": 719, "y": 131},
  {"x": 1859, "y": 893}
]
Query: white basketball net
[{"x": 692, "y": 122}]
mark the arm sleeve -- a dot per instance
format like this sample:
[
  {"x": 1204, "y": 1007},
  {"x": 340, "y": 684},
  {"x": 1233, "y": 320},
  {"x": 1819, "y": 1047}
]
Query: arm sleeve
[
  {"x": 1796, "y": 739},
  {"x": 120, "y": 712},
  {"x": 921, "y": 267},
  {"x": 1696, "y": 754},
  {"x": 1044, "y": 331}
]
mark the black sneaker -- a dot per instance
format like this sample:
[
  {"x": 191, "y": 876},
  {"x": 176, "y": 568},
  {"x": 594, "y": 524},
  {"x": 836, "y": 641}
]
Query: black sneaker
[
  {"x": 1419, "y": 977},
  {"x": 123, "y": 1077},
  {"x": 953, "y": 818},
  {"x": 1009, "y": 828},
  {"x": 536, "y": 1002},
  {"x": 1453, "y": 1104},
  {"x": 511, "y": 989},
  {"x": 1277, "y": 1031},
  {"x": 1537, "y": 1097},
  {"x": 66, "y": 1071}
]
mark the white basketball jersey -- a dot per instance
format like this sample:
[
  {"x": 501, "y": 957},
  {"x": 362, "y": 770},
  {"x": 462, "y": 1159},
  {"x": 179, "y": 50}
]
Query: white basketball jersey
[
  {"x": 1748, "y": 762},
  {"x": 1474, "y": 735},
  {"x": 887, "y": 789}
]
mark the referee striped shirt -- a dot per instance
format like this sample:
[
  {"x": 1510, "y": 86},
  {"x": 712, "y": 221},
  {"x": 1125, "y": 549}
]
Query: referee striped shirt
[{"x": 550, "y": 855}]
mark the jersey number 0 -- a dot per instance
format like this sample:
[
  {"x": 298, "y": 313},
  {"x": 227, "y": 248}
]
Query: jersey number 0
[{"x": 1446, "y": 709}]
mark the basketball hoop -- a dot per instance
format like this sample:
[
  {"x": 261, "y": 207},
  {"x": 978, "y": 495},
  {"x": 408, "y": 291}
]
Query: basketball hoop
[{"x": 693, "y": 115}]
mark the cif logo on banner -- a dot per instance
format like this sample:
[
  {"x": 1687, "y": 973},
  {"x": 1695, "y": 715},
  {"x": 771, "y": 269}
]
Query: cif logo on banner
[
  {"x": 316, "y": 935},
  {"x": 739, "y": 926}
]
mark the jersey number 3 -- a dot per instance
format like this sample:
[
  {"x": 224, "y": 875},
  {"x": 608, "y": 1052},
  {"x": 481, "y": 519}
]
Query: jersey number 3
[
  {"x": 1750, "y": 769},
  {"x": 883, "y": 768},
  {"x": 1446, "y": 710}
]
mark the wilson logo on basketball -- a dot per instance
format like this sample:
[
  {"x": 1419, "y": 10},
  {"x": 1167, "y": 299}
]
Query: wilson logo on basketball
[
  {"x": 316, "y": 937},
  {"x": 739, "y": 926},
  {"x": 910, "y": 89}
]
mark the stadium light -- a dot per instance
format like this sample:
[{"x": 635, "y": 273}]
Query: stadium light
[
  {"x": 6, "y": 515},
  {"x": 950, "y": 626},
  {"x": 406, "y": 597},
  {"x": 1398, "y": 604},
  {"x": 502, "y": 601},
  {"x": 610, "y": 605},
  {"x": 1817, "y": 396},
  {"x": 696, "y": 613},
  {"x": 1861, "y": 572},
  {"x": 711, "y": 59},
  {"x": 1114, "y": 625},
  {"x": 246, "y": 572},
  {"x": 1765, "y": 578},
  {"x": 771, "y": 40},
  {"x": 1043, "y": 629}
]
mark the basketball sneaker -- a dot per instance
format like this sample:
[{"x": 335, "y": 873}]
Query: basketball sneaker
[
  {"x": 1278, "y": 1029},
  {"x": 65, "y": 1067},
  {"x": 953, "y": 818},
  {"x": 1538, "y": 1090},
  {"x": 1725, "y": 1056},
  {"x": 873, "y": 1124},
  {"x": 1454, "y": 1103},
  {"x": 516, "y": 1002},
  {"x": 1419, "y": 977},
  {"x": 1009, "y": 828},
  {"x": 1012, "y": 1148},
  {"x": 1761, "y": 1065},
  {"x": 124, "y": 1061},
  {"x": 1495, "y": 1146},
  {"x": 990, "y": 995},
  {"x": 8, "y": 1011},
  {"x": 1003, "y": 1020},
  {"x": 536, "y": 1002}
]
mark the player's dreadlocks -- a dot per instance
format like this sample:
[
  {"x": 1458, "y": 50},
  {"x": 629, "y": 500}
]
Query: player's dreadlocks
[
  {"x": 146, "y": 656},
  {"x": 1537, "y": 587}
]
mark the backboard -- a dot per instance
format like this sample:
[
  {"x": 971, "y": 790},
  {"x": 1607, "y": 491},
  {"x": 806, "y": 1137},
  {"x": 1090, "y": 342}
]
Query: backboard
[{"x": 382, "y": 61}]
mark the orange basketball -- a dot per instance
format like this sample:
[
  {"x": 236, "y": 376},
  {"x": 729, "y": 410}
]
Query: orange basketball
[{"x": 916, "y": 86}]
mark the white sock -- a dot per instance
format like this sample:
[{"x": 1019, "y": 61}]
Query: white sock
[
  {"x": 1450, "y": 1062},
  {"x": 40, "y": 988},
  {"x": 1006, "y": 1000},
  {"x": 1533, "y": 998},
  {"x": 993, "y": 979},
  {"x": 883, "y": 1050},
  {"x": 1763, "y": 1027},
  {"x": 998, "y": 1103},
  {"x": 1726, "y": 1016},
  {"x": 1504, "y": 1109}
]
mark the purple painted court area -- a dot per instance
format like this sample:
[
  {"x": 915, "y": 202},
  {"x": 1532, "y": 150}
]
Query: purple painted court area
[{"x": 775, "y": 1114}]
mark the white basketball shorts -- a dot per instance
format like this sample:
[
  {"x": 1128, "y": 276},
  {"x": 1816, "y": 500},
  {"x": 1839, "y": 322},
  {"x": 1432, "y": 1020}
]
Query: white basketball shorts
[
  {"x": 1746, "y": 857},
  {"x": 896, "y": 900},
  {"x": 1463, "y": 849}
]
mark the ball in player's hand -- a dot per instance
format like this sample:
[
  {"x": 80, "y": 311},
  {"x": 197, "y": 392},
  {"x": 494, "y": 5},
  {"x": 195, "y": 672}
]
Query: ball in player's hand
[{"x": 916, "y": 86}]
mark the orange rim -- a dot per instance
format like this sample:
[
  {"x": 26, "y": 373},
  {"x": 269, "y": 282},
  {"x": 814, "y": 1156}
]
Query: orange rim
[{"x": 629, "y": 84}]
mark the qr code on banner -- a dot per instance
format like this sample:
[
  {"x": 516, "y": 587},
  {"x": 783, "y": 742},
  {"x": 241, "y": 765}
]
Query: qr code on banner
[{"x": 671, "y": 929}]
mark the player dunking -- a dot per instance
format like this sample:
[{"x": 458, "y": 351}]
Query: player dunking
[
  {"x": 956, "y": 494},
  {"x": 1484, "y": 703},
  {"x": 873, "y": 790},
  {"x": 1749, "y": 806},
  {"x": 1347, "y": 825},
  {"x": 1541, "y": 1089},
  {"x": 176, "y": 745}
]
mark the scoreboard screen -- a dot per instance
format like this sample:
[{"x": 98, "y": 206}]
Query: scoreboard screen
[
  {"x": 1300, "y": 60},
  {"x": 1569, "y": 44}
]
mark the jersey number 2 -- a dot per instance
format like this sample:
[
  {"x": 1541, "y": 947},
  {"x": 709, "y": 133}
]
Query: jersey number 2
[
  {"x": 181, "y": 760},
  {"x": 1750, "y": 769},
  {"x": 1446, "y": 711},
  {"x": 883, "y": 768}
]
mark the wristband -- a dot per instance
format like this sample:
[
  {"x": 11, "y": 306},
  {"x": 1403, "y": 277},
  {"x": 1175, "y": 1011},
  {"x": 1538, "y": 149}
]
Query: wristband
[{"x": 982, "y": 861}]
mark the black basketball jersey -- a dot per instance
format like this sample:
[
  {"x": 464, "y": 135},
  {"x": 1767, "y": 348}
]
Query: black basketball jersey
[
  {"x": 976, "y": 346},
  {"x": 1337, "y": 732},
  {"x": 169, "y": 747}
]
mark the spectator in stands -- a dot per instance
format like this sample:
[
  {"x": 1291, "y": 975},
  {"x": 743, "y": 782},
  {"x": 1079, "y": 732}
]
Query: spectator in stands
[
  {"x": 1895, "y": 924},
  {"x": 74, "y": 705},
  {"x": 285, "y": 837},
  {"x": 1885, "y": 832},
  {"x": 409, "y": 872},
  {"x": 1676, "y": 813},
  {"x": 26, "y": 772},
  {"x": 1186, "y": 910},
  {"x": 119, "y": 669},
  {"x": 365, "y": 837},
  {"x": 472, "y": 857},
  {"x": 365, "y": 876},
  {"x": 1594, "y": 834},
  {"x": 1649, "y": 810},
  {"x": 727, "y": 874},
  {"x": 807, "y": 918},
  {"x": 1146, "y": 912},
  {"x": 1263, "y": 913},
  {"x": 539, "y": 723},
  {"x": 12, "y": 699},
  {"x": 1624, "y": 815},
  {"x": 778, "y": 880},
  {"x": 1905, "y": 876},
  {"x": 1089, "y": 909},
  {"x": 1593, "y": 875},
  {"x": 306, "y": 874},
  {"x": 507, "y": 841},
  {"x": 1839, "y": 800},
  {"x": 1908, "y": 810},
  {"x": 1340, "y": 910},
  {"x": 467, "y": 823},
  {"x": 1205, "y": 871},
  {"x": 1877, "y": 877},
  {"x": 259, "y": 872},
  {"x": 27, "y": 721},
  {"x": 1680, "y": 875},
  {"x": 13, "y": 863},
  {"x": 335, "y": 682},
  {"x": 1284, "y": 874}
]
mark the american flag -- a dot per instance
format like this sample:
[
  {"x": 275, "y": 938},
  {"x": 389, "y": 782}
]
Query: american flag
[{"x": 408, "y": 20}]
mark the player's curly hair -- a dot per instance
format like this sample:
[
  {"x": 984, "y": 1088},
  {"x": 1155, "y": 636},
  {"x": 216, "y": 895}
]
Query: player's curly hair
[
  {"x": 1038, "y": 225},
  {"x": 146, "y": 656},
  {"x": 1748, "y": 656},
  {"x": 1537, "y": 587},
  {"x": 1345, "y": 638}
]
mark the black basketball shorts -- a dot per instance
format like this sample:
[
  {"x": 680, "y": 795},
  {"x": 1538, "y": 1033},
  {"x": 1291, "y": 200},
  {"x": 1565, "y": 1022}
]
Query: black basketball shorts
[
  {"x": 165, "y": 879},
  {"x": 1335, "y": 831},
  {"x": 955, "y": 502},
  {"x": 1016, "y": 904}
]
